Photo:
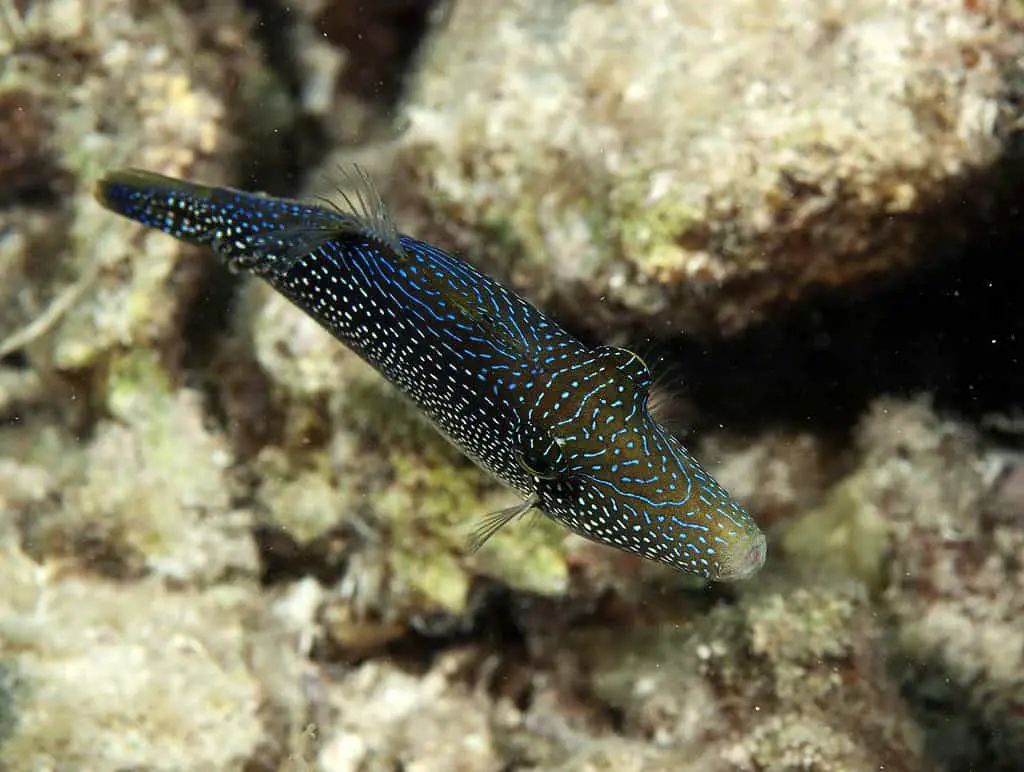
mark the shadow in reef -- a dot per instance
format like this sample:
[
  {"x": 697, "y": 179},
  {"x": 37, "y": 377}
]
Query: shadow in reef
[
  {"x": 380, "y": 41},
  {"x": 955, "y": 331},
  {"x": 958, "y": 732}
]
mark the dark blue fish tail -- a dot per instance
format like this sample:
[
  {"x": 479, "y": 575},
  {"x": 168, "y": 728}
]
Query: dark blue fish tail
[{"x": 250, "y": 231}]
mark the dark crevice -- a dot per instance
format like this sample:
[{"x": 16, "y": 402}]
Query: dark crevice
[
  {"x": 276, "y": 162},
  {"x": 326, "y": 558},
  {"x": 380, "y": 41},
  {"x": 963, "y": 734},
  {"x": 207, "y": 290},
  {"x": 954, "y": 331},
  {"x": 29, "y": 171},
  {"x": 383, "y": 37},
  {"x": 16, "y": 360},
  {"x": 275, "y": 25},
  {"x": 490, "y": 626}
]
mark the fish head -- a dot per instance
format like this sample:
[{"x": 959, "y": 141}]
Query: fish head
[{"x": 611, "y": 473}]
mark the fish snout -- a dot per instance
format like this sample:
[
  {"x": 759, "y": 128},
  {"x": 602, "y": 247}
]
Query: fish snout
[{"x": 745, "y": 558}]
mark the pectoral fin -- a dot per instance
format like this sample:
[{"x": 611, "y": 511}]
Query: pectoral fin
[{"x": 493, "y": 522}]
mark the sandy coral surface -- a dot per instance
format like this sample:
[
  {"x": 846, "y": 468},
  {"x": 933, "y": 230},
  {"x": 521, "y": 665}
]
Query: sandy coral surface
[{"x": 698, "y": 165}]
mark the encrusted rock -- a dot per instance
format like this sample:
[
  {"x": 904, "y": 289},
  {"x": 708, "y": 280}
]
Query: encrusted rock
[
  {"x": 785, "y": 681},
  {"x": 692, "y": 166}
]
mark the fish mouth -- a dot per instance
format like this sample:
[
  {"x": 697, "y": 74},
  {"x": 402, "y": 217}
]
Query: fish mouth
[{"x": 746, "y": 560}]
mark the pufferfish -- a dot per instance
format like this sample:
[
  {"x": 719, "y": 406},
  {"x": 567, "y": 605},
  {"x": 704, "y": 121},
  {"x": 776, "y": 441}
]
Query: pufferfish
[{"x": 565, "y": 424}]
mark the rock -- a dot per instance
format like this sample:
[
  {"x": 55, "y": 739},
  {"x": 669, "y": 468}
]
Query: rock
[
  {"x": 693, "y": 167},
  {"x": 787, "y": 680},
  {"x": 149, "y": 493},
  {"x": 106, "y": 675},
  {"x": 931, "y": 521},
  {"x": 387, "y": 718},
  {"x": 955, "y": 580},
  {"x": 109, "y": 86}
]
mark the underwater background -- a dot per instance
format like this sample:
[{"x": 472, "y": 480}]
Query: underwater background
[{"x": 226, "y": 543}]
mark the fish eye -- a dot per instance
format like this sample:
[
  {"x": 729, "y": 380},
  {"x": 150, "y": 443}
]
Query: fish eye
[{"x": 542, "y": 457}]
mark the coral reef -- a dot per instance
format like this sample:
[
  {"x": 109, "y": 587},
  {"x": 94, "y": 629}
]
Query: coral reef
[
  {"x": 225, "y": 543},
  {"x": 103, "y": 675},
  {"x": 696, "y": 166}
]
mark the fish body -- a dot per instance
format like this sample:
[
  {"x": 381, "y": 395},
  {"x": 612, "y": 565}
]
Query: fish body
[{"x": 565, "y": 424}]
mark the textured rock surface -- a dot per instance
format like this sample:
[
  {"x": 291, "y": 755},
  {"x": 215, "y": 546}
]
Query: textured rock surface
[
  {"x": 148, "y": 493},
  {"x": 957, "y": 596},
  {"x": 694, "y": 165},
  {"x": 790, "y": 680},
  {"x": 422, "y": 722},
  {"x": 932, "y": 520},
  {"x": 102, "y": 675},
  {"x": 111, "y": 85}
]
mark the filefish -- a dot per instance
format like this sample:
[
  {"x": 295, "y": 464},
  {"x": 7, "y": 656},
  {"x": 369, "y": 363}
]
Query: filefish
[{"x": 565, "y": 424}]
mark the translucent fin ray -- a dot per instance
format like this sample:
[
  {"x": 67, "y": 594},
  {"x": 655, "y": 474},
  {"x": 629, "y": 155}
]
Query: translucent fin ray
[
  {"x": 364, "y": 205},
  {"x": 494, "y": 522}
]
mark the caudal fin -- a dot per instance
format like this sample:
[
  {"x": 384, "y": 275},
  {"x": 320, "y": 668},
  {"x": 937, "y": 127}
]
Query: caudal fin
[
  {"x": 249, "y": 230},
  {"x": 175, "y": 207}
]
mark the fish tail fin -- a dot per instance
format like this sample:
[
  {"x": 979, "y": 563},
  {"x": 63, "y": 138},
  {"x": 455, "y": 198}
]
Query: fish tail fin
[
  {"x": 176, "y": 207},
  {"x": 250, "y": 231}
]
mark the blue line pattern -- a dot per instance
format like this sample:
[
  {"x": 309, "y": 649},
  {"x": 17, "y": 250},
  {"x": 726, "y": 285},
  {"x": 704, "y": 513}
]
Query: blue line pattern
[{"x": 561, "y": 422}]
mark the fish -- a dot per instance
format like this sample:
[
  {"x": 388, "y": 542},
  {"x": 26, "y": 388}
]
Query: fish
[{"x": 565, "y": 424}]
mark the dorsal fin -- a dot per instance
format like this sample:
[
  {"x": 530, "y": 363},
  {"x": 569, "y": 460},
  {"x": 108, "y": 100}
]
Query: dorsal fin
[
  {"x": 363, "y": 203},
  {"x": 361, "y": 212}
]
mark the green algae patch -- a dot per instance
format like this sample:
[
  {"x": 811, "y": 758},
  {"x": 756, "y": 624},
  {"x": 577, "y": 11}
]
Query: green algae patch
[
  {"x": 435, "y": 576},
  {"x": 846, "y": 537},
  {"x": 299, "y": 493},
  {"x": 527, "y": 555},
  {"x": 654, "y": 229},
  {"x": 138, "y": 387}
]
